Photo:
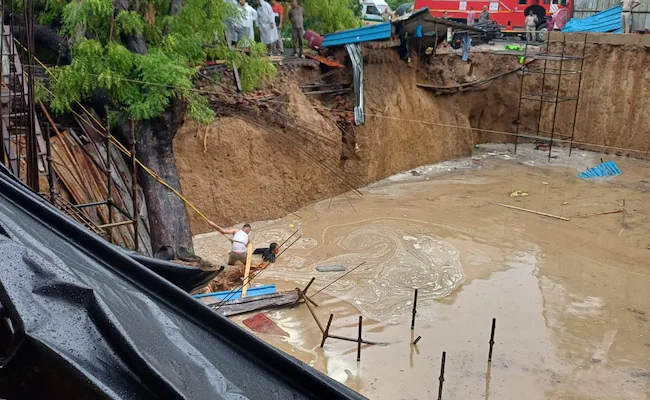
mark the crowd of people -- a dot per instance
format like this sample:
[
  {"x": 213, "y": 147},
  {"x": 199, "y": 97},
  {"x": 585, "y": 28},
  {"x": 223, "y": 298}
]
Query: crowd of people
[{"x": 269, "y": 19}]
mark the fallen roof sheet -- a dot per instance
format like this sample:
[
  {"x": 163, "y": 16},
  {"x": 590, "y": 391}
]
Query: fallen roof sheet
[
  {"x": 608, "y": 168},
  {"x": 368, "y": 33},
  {"x": 605, "y": 21},
  {"x": 111, "y": 326}
]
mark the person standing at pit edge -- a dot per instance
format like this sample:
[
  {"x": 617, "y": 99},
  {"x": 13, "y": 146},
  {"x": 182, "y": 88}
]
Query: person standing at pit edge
[
  {"x": 471, "y": 16},
  {"x": 240, "y": 240},
  {"x": 531, "y": 24},
  {"x": 626, "y": 15},
  {"x": 485, "y": 15},
  {"x": 297, "y": 18},
  {"x": 278, "y": 12}
]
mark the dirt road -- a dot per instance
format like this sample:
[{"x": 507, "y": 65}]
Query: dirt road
[{"x": 571, "y": 298}]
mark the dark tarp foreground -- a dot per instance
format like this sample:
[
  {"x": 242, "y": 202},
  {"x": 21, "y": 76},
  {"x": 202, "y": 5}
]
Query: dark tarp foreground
[{"x": 116, "y": 329}]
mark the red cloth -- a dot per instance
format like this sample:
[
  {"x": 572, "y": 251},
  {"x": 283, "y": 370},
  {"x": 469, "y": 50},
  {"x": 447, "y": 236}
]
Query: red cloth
[{"x": 278, "y": 9}]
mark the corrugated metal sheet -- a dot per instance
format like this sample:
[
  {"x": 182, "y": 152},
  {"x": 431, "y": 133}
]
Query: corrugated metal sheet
[
  {"x": 354, "y": 50},
  {"x": 604, "y": 21},
  {"x": 586, "y": 8},
  {"x": 366, "y": 34},
  {"x": 608, "y": 168}
]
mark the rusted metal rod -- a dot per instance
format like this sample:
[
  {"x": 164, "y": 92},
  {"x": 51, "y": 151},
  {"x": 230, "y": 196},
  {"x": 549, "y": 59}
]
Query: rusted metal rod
[
  {"x": 442, "y": 374},
  {"x": 50, "y": 170},
  {"x": 327, "y": 331},
  {"x": 354, "y": 340},
  {"x": 494, "y": 325},
  {"x": 109, "y": 176},
  {"x": 134, "y": 190},
  {"x": 115, "y": 224},
  {"x": 312, "y": 313},
  {"x": 415, "y": 302},
  {"x": 359, "y": 340}
]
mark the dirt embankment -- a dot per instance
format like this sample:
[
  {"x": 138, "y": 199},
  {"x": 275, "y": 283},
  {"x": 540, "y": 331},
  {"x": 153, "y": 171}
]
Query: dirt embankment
[
  {"x": 266, "y": 164},
  {"x": 244, "y": 167},
  {"x": 611, "y": 111}
]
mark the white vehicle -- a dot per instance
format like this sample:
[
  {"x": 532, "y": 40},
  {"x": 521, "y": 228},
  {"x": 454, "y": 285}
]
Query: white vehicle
[{"x": 371, "y": 11}]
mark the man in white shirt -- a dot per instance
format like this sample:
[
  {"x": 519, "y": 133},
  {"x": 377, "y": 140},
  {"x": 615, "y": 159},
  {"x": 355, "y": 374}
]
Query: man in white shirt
[
  {"x": 626, "y": 15},
  {"x": 240, "y": 240}
]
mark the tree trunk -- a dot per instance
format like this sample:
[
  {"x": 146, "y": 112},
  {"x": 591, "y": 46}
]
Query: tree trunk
[
  {"x": 169, "y": 223},
  {"x": 170, "y": 230}
]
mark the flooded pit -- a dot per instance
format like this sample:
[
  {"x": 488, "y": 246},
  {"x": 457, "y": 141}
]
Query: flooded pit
[{"x": 571, "y": 299}]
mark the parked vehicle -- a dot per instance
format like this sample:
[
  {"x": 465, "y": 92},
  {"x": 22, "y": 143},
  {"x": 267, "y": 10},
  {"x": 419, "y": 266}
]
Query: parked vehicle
[
  {"x": 509, "y": 14},
  {"x": 371, "y": 11}
]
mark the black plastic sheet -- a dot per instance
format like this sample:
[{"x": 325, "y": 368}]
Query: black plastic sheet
[{"x": 119, "y": 330}]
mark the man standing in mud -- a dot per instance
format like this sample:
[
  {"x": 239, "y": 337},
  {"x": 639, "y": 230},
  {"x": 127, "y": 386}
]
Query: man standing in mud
[{"x": 240, "y": 240}]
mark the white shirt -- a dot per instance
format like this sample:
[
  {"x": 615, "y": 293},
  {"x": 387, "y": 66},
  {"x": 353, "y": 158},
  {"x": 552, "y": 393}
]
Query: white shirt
[{"x": 239, "y": 242}]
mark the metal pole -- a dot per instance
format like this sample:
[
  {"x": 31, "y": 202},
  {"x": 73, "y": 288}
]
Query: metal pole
[
  {"x": 31, "y": 149},
  {"x": 575, "y": 111},
  {"x": 327, "y": 331},
  {"x": 494, "y": 325},
  {"x": 541, "y": 94},
  {"x": 359, "y": 340},
  {"x": 134, "y": 190},
  {"x": 417, "y": 340},
  {"x": 2, "y": 79},
  {"x": 521, "y": 93},
  {"x": 109, "y": 172},
  {"x": 557, "y": 96},
  {"x": 415, "y": 302},
  {"x": 50, "y": 171},
  {"x": 442, "y": 374}
]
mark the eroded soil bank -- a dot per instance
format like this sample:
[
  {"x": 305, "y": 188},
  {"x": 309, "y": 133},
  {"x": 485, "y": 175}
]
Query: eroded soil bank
[{"x": 570, "y": 297}]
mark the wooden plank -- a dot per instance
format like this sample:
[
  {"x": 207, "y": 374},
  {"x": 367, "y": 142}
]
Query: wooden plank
[
  {"x": 530, "y": 211},
  {"x": 250, "y": 304},
  {"x": 247, "y": 271}
]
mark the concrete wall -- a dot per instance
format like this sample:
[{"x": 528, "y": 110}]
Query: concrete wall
[{"x": 587, "y": 8}]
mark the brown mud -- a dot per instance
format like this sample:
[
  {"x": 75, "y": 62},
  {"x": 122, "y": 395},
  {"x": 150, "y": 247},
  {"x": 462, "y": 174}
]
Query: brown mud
[{"x": 570, "y": 297}]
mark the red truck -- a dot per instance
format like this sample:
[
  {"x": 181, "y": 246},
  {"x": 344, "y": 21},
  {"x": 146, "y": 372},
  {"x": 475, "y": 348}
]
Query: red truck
[{"x": 509, "y": 14}]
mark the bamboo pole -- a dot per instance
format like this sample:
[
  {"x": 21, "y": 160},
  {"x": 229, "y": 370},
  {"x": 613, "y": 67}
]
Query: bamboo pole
[
  {"x": 247, "y": 271},
  {"x": 530, "y": 211}
]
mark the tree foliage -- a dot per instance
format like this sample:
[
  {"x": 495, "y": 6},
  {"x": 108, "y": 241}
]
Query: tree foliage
[
  {"x": 327, "y": 16},
  {"x": 142, "y": 86}
]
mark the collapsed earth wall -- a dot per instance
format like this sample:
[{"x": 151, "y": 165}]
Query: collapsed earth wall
[
  {"x": 612, "y": 112},
  {"x": 241, "y": 169}
]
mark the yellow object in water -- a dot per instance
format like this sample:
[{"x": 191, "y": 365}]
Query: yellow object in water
[
  {"x": 518, "y": 193},
  {"x": 292, "y": 226}
]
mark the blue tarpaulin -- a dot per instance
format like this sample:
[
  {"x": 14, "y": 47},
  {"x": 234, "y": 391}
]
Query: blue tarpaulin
[
  {"x": 604, "y": 21},
  {"x": 608, "y": 168}
]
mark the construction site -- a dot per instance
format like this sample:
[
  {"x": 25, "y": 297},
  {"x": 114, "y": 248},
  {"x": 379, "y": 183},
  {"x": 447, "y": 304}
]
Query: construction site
[{"x": 463, "y": 224}]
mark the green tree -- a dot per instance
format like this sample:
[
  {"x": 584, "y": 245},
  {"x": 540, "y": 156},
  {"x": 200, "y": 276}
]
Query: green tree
[
  {"x": 140, "y": 55},
  {"x": 327, "y": 16}
]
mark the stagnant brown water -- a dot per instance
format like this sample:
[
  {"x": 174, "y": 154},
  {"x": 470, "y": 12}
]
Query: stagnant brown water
[{"x": 571, "y": 299}]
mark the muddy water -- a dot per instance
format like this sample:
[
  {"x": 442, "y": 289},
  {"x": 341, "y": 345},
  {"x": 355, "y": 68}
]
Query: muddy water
[{"x": 571, "y": 298}]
